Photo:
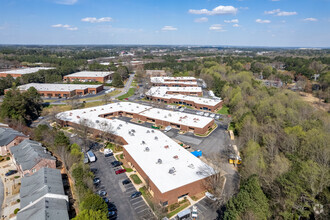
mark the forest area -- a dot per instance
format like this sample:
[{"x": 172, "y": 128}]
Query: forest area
[{"x": 284, "y": 144}]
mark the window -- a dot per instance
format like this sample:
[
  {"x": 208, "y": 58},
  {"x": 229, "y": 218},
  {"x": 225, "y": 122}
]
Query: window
[{"x": 165, "y": 203}]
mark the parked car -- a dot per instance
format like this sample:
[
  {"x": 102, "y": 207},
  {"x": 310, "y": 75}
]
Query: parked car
[
  {"x": 106, "y": 200},
  {"x": 94, "y": 170},
  {"x": 86, "y": 160},
  {"x": 182, "y": 109},
  {"x": 96, "y": 181},
  {"x": 217, "y": 117},
  {"x": 120, "y": 171},
  {"x": 112, "y": 215},
  {"x": 168, "y": 128},
  {"x": 212, "y": 115},
  {"x": 91, "y": 156},
  {"x": 102, "y": 193},
  {"x": 11, "y": 172},
  {"x": 127, "y": 181},
  {"x": 108, "y": 152},
  {"x": 194, "y": 213},
  {"x": 116, "y": 163},
  {"x": 136, "y": 194},
  {"x": 206, "y": 114},
  {"x": 112, "y": 207},
  {"x": 210, "y": 196}
]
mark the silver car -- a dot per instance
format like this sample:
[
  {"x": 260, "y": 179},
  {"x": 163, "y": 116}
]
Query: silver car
[
  {"x": 212, "y": 115},
  {"x": 206, "y": 114}
]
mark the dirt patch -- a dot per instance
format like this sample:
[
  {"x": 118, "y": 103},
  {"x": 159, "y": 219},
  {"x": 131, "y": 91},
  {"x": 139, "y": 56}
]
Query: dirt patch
[
  {"x": 15, "y": 189},
  {"x": 314, "y": 101}
]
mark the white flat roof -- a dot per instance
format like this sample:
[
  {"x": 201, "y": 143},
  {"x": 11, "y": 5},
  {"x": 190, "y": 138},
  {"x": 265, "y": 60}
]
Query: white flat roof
[
  {"x": 90, "y": 74},
  {"x": 172, "y": 80},
  {"x": 26, "y": 70},
  {"x": 56, "y": 87},
  {"x": 161, "y": 92},
  {"x": 164, "y": 89},
  {"x": 147, "y": 147}
]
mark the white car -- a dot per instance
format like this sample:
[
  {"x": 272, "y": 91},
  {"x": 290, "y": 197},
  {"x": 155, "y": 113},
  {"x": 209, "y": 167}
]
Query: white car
[
  {"x": 212, "y": 115},
  {"x": 217, "y": 117},
  {"x": 211, "y": 196},
  {"x": 206, "y": 114},
  {"x": 181, "y": 109},
  {"x": 194, "y": 213}
]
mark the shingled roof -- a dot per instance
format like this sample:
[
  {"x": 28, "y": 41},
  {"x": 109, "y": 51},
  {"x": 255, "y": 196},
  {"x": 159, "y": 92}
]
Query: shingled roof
[
  {"x": 28, "y": 153},
  {"x": 7, "y": 135}
]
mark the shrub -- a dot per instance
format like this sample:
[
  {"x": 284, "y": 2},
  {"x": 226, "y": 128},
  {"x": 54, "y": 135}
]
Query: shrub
[
  {"x": 16, "y": 177},
  {"x": 174, "y": 206},
  {"x": 7, "y": 158},
  {"x": 16, "y": 210},
  {"x": 18, "y": 200}
]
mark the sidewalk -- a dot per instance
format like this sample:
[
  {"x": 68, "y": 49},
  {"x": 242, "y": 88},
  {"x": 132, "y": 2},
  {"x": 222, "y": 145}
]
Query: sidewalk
[{"x": 11, "y": 190}]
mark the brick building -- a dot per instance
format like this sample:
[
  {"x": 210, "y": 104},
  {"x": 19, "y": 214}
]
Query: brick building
[
  {"x": 156, "y": 73},
  {"x": 8, "y": 139},
  {"x": 23, "y": 71},
  {"x": 62, "y": 90},
  {"x": 171, "y": 171},
  {"x": 89, "y": 76},
  {"x": 29, "y": 157},
  {"x": 185, "y": 96},
  {"x": 174, "y": 81}
]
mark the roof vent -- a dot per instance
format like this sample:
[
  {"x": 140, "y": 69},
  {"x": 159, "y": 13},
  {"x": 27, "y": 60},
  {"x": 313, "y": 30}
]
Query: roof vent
[
  {"x": 172, "y": 171},
  {"x": 176, "y": 157},
  {"x": 166, "y": 147},
  {"x": 159, "y": 161},
  {"x": 97, "y": 121},
  {"x": 147, "y": 149},
  {"x": 152, "y": 131},
  {"x": 191, "y": 166},
  {"x": 156, "y": 138},
  {"x": 133, "y": 130},
  {"x": 199, "y": 173},
  {"x": 143, "y": 142},
  {"x": 118, "y": 128},
  {"x": 148, "y": 131},
  {"x": 120, "y": 125}
]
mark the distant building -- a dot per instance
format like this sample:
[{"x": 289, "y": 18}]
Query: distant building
[
  {"x": 29, "y": 157},
  {"x": 89, "y": 76},
  {"x": 174, "y": 81},
  {"x": 23, "y": 71},
  {"x": 272, "y": 83},
  {"x": 155, "y": 73},
  {"x": 42, "y": 196},
  {"x": 62, "y": 90},
  {"x": 9, "y": 138},
  {"x": 185, "y": 96}
]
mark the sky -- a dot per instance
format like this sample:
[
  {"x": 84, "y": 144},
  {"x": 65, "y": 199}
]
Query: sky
[{"x": 271, "y": 23}]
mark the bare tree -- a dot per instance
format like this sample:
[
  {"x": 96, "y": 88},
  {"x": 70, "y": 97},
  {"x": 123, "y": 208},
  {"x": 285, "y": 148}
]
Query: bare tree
[
  {"x": 83, "y": 129},
  {"x": 106, "y": 130},
  {"x": 74, "y": 102},
  {"x": 107, "y": 98}
]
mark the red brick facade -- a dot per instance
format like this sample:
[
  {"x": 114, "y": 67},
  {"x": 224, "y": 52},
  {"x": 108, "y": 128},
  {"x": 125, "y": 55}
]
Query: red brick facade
[
  {"x": 89, "y": 79},
  {"x": 12, "y": 74},
  {"x": 4, "y": 150},
  {"x": 169, "y": 197}
]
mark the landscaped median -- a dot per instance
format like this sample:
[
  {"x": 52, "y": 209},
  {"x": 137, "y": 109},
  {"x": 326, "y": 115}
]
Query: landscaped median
[
  {"x": 130, "y": 92},
  {"x": 121, "y": 158}
]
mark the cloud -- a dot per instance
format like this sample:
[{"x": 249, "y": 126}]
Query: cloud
[
  {"x": 216, "y": 27},
  {"x": 169, "y": 28},
  {"x": 263, "y": 21},
  {"x": 96, "y": 20},
  {"x": 272, "y": 12},
  {"x": 287, "y": 13},
  {"x": 235, "y": 25},
  {"x": 66, "y": 2},
  {"x": 201, "y": 20},
  {"x": 65, "y": 26},
  {"x": 220, "y": 10},
  {"x": 310, "y": 19},
  {"x": 278, "y": 12},
  {"x": 231, "y": 21}
]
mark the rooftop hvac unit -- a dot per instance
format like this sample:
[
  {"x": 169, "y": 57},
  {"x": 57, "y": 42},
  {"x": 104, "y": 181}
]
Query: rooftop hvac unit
[
  {"x": 172, "y": 170},
  {"x": 148, "y": 131},
  {"x": 147, "y": 149},
  {"x": 143, "y": 142},
  {"x": 133, "y": 130},
  {"x": 159, "y": 161},
  {"x": 176, "y": 157},
  {"x": 156, "y": 138},
  {"x": 199, "y": 173},
  {"x": 129, "y": 103},
  {"x": 118, "y": 128},
  {"x": 191, "y": 166},
  {"x": 152, "y": 131},
  {"x": 97, "y": 121},
  {"x": 166, "y": 146}
]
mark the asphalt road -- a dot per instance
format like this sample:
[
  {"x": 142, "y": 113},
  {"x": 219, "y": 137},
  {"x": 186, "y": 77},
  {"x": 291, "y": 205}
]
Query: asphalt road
[{"x": 118, "y": 193}]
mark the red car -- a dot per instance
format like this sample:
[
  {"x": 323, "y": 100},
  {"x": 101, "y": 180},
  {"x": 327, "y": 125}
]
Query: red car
[{"x": 120, "y": 171}]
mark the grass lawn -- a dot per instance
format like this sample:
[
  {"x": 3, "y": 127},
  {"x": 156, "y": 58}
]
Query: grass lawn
[
  {"x": 130, "y": 92},
  {"x": 146, "y": 195},
  {"x": 176, "y": 211},
  {"x": 113, "y": 93},
  {"x": 224, "y": 110},
  {"x": 136, "y": 179},
  {"x": 92, "y": 104},
  {"x": 231, "y": 126},
  {"x": 134, "y": 83}
]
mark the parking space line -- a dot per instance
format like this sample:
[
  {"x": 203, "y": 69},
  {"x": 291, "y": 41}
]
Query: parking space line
[
  {"x": 130, "y": 187},
  {"x": 202, "y": 206},
  {"x": 139, "y": 206},
  {"x": 142, "y": 210},
  {"x": 137, "y": 202},
  {"x": 135, "y": 198}
]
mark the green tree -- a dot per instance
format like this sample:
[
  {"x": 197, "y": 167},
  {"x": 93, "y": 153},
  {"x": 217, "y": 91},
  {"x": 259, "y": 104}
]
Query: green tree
[
  {"x": 117, "y": 80},
  {"x": 61, "y": 139},
  {"x": 91, "y": 215},
  {"x": 93, "y": 202},
  {"x": 123, "y": 72}
]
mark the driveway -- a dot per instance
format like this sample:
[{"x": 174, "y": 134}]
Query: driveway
[{"x": 118, "y": 193}]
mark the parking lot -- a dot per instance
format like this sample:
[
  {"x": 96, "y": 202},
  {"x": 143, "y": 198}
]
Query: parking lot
[
  {"x": 118, "y": 193},
  {"x": 204, "y": 210}
]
